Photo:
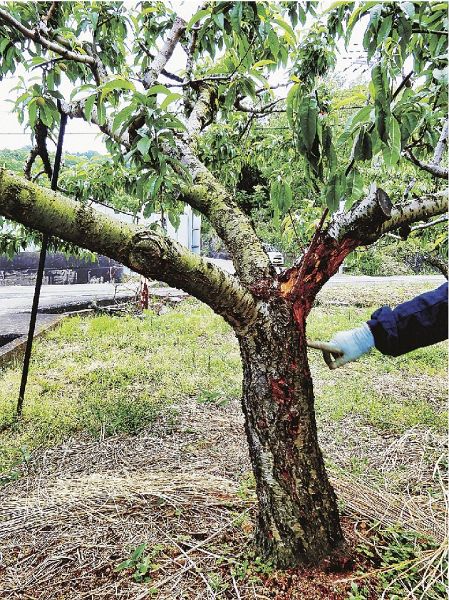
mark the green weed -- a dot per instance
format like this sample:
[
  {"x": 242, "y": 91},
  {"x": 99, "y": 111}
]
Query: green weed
[{"x": 142, "y": 562}]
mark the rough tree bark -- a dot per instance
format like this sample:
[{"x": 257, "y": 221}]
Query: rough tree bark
[{"x": 298, "y": 519}]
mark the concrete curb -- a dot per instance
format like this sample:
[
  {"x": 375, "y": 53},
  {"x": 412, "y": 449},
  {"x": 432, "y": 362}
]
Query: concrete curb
[{"x": 16, "y": 347}]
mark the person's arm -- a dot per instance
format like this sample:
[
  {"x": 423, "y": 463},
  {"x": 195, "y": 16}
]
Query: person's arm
[{"x": 413, "y": 324}]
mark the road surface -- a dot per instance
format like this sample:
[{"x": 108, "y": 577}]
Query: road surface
[{"x": 16, "y": 301}]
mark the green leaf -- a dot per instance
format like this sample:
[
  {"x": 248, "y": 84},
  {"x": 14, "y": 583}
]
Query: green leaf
[
  {"x": 169, "y": 99},
  {"x": 293, "y": 96},
  {"x": 290, "y": 34},
  {"x": 45, "y": 115},
  {"x": 81, "y": 88},
  {"x": 273, "y": 42},
  {"x": 408, "y": 8},
  {"x": 263, "y": 63},
  {"x": 219, "y": 19},
  {"x": 392, "y": 153},
  {"x": 288, "y": 196},
  {"x": 359, "y": 12},
  {"x": 308, "y": 116},
  {"x": 334, "y": 191},
  {"x": 380, "y": 86},
  {"x": 155, "y": 184},
  {"x": 32, "y": 112},
  {"x": 143, "y": 145},
  {"x": 363, "y": 149},
  {"x": 38, "y": 60},
  {"x": 137, "y": 553},
  {"x": 354, "y": 187},
  {"x": 384, "y": 29},
  {"x": 3, "y": 43},
  {"x": 197, "y": 17},
  {"x": 101, "y": 111},
  {"x": 235, "y": 16},
  {"x": 382, "y": 121},
  {"x": 89, "y": 105},
  {"x": 126, "y": 564},
  {"x": 381, "y": 101},
  {"x": 117, "y": 84},
  {"x": 409, "y": 121},
  {"x": 158, "y": 89},
  {"x": 360, "y": 116},
  {"x": 122, "y": 116}
]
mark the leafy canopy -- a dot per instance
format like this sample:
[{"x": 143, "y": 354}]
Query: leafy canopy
[{"x": 266, "y": 66}]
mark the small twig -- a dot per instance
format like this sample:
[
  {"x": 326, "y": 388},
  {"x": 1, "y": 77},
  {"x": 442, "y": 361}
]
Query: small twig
[
  {"x": 238, "y": 596},
  {"x": 191, "y": 561},
  {"x": 433, "y": 169}
]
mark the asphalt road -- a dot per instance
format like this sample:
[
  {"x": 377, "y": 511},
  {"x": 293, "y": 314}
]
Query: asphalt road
[
  {"x": 16, "y": 302},
  {"x": 354, "y": 279},
  {"x": 18, "y": 298}
]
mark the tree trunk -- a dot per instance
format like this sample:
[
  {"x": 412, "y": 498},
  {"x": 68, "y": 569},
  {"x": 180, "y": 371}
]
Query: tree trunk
[{"x": 298, "y": 520}]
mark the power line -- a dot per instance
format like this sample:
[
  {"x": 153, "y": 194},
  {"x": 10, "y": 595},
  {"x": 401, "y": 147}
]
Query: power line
[{"x": 28, "y": 134}]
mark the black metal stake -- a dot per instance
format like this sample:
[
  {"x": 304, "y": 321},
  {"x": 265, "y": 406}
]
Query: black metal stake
[{"x": 40, "y": 273}]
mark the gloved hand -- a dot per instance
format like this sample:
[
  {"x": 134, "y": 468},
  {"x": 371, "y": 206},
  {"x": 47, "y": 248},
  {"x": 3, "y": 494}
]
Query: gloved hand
[{"x": 346, "y": 346}]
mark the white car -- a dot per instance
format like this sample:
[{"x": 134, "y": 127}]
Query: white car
[{"x": 276, "y": 257}]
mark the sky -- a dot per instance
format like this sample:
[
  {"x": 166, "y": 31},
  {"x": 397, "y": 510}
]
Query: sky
[{"x": 81, "y": 136}]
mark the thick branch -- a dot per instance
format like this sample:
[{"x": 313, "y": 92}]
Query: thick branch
[
  {"x": 145, "y": 252},
  {"x": 417, "y": 209},
  {"x": 366, "y": 222},
  {"x": 437, "y": 263},
  {"x": 201, "y": 113},
  {"x": 165, "y": 54},
  {"x": 212, "y": 199},
  {"x": 442, "y": 142},
  {"x": 36, "y": 37},
  {"x": 34, "y": 153},
  {"x": 364, "y": 218},
  {"x": 262, "y": 110},
  {"x": 75, "y": 110},
  {"x": 375, "y": 215}
]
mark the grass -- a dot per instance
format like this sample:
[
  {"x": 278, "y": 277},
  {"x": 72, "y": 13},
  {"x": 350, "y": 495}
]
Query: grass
[
  {"x": 390, "y": 393},
  {"x": 105, "y": 375},
  {"x": 177, "y": 377}
]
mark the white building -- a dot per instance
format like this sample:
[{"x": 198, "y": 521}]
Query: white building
[{"x": 188, "y": 232}]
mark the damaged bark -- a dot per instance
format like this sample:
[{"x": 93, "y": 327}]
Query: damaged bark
[{"x": 298, "y": 520}]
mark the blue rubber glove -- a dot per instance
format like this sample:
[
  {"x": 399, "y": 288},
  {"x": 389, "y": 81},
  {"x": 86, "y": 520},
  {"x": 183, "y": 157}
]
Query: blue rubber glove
[
  {"x": 345, "y": 346},
  {"x": 351, "y": 344}
]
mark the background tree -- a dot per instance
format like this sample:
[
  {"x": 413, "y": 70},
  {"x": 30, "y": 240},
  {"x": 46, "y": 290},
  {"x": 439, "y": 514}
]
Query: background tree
[{"x": 109, "y": 65}]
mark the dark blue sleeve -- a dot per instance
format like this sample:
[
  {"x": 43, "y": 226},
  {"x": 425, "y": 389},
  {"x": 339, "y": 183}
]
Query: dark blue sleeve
[{"x": 414, "y": 324}]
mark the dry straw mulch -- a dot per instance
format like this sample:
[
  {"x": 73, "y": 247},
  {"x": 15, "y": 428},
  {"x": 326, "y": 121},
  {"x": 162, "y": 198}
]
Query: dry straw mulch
[{"x": 84, "y": 506}]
